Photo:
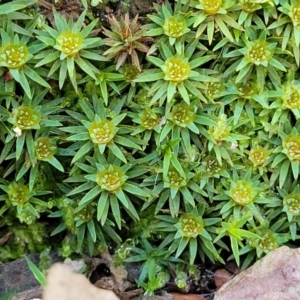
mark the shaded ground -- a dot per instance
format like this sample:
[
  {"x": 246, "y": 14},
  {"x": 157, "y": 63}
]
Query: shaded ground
[
  {"x": 74, "y": 8},
  {"x": 16, "y": 276}
]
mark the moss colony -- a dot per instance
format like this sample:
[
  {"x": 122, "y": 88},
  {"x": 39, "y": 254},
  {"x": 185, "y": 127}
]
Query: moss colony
[{"x": 173, "y": 140}]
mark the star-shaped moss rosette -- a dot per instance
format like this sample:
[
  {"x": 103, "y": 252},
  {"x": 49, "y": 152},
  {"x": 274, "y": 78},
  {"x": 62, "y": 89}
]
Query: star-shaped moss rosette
[
  {"x": 222, "y": 138},
  {"x": 110, "y": 186},
  {"x": 176, "y": 73},
  {"x": 16, "y": 54},
  {"x": 221, "y": 130},
  {"x": 288, "y": 202},
  {"x": 100, "y": 131},
  {"x": 241, "y": 196},
  {"x": 258, "y": 54},
  {"x": 26, "y": 119},
  {"x": 107, "y": 78},
  {"x": 148, "y": 121},
  {"x": 22, "y": 201},
  {"x": 136, "y": 93},
  {"x": 190, "y": 229},
  {"x": 288, "y": 26},
  {"x": 170, "y": 25},
  {"x": 154, "y": 261},
  {"x": 267, "y": 243},
  {"x": 258, "y": 155},
  {"x": 125, "y": 39},
  {"x": 68, "y": 45},
  {"x": 271, "y": 237},
  {"x": 83, "y": 225},
  {"x": 233, "y": 229},
  {"x": 214, "y": 90},
  {"x": 286, "y": 156},
  {"x": 260, "y": 158},
  {"x": 286, "y": 100},
  {"x": 210, "y": 169},
  {"x": 290, "y": 145},
  {"x": 253, "y": 10},
  {"x": 44, "y": 150},
  {"x": 209, "y": 173},
  {"x": 212, "y": 14},
  {"x": 174, "y": 184},
  {"x": 185, "y": 121},
  {"x": 244, "y": 96}
]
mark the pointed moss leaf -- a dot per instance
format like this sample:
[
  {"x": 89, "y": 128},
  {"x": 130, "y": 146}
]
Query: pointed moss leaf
[
  {"x": 122, "y": 197},
  {"x": 90, "y": 195},
  {"x": 39, "y": 276},
  {"x": 177, "y": 165},
  {"x": 284, "y": 172},
  {"x": 102, "y": 203},
  {"x": 7, "y": 8},
  {"x": 203, "y": 120},
  {"x": 62, "y": 72},
  {"x": 171, "y": 91},
  {"x": 87, "y": 30},
  {"x": 150, "y": 75},
  {"x": 278, "y": 159},
  {"x": 80, "y": 235},
  {"x": 92, "y": 231},
  {"x": 61, "y": 227},
  {"x": 117, "y": 152},
  {"x": 131, "y": 211},
  {"x": 193, "y": 245},
  {"x": 85, "y": 66},
  {"x": 182, "y": 245},
  {"x": 83, "y": 136},
  {"x": 114, "y": 204},
  {"x": 126, "y": 142},
  {"x": 235, "y": 249},
  {"x": 156, "y": 61},
  {"x": 24, "y": 83},
  {"x": 275, "y": 63},
  {"x": 9, "y": 295},
  {"x": 187, "y": 196},
  {"x": 35, "y": 77},
  {"x": 295, "y": 168},
  {"x": 49, "y": 58},
  {"x": 56, "y": 164},
  {"x": 135, "y": 190},
  {"x": 224, "y": 28},
  {"x": 20, "y": 145},
  {"x": 77, "y": 26}
]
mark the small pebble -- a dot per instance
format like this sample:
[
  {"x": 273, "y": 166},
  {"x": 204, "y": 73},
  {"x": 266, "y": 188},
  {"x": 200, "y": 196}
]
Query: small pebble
[{"x": 221, "y": 277}]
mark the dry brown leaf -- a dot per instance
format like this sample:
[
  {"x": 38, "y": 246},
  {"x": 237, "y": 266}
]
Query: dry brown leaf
[
  {"x": 5, "y": 238},
  {"x": 63, "y": 284},
  {"x": 221, "y": 277}
]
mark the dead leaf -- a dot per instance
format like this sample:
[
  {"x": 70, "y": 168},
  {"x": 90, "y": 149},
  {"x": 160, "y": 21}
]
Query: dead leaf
[
  {"x": 63, "y": 284},
  {"x": 5, "y": 238},
  {"x": 232, "y": 267},
  {"x": 221, "y": 277}
]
